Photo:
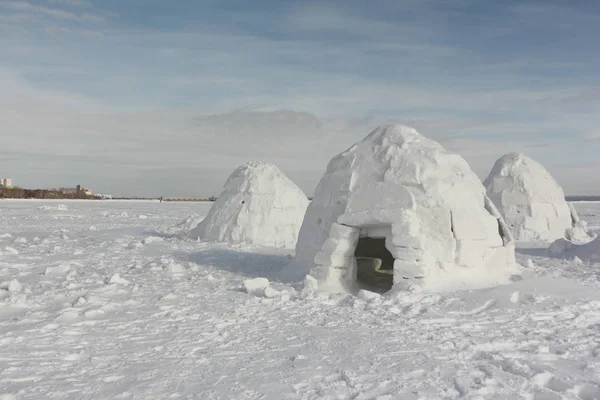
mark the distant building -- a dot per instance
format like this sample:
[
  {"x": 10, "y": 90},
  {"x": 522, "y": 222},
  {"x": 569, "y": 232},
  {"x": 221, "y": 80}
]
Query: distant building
[
  {"x": 79, "y": 190},
  {"x": 6, "y": 183}
]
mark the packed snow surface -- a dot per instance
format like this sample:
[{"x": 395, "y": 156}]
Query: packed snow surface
[
  {"x": 92, "y": 309},
  {"x": 259, "y": 205},
  {"x": 425, "y": 201},
  {"x": 531, "y": 201}
]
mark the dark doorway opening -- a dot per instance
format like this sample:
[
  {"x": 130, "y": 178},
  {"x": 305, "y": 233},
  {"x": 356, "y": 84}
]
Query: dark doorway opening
[{"x": 375, "y": 265}]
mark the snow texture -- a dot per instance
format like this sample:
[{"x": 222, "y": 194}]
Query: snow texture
[
  {"x": 426, "y": 202},
  {"x": 75, "y": 335},
  {"x": 259, "y": 205},
  {"x": 532, "y": 202}
]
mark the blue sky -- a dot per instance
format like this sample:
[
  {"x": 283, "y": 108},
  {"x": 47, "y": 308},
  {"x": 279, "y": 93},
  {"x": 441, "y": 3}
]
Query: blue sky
[{"x": 483, "y": 77}]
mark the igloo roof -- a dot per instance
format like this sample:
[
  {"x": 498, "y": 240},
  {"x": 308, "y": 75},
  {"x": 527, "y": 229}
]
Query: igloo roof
[
  {"x": 259, "y": 205},
  {"x": 394, "y": 171}
]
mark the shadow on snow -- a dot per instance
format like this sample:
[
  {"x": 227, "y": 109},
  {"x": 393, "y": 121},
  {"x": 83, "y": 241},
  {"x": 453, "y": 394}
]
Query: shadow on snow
[{"x": 251, "y": 264}]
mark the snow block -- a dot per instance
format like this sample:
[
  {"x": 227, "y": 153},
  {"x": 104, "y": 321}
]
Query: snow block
[
  {"x": 343, "y": 232},
  {"x": 255, "y": 286}
]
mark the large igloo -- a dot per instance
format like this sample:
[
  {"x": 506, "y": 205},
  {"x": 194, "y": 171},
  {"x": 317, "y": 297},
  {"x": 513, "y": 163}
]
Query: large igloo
[
  {"x": 531, "y": 201},
  {"x": 398, "y": 208},
  {"x": 259, "y": 205}
]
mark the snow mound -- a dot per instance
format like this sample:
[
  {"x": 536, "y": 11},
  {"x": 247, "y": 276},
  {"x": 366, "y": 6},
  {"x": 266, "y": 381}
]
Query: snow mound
[
  {"x": 425, "y": 202},
  {"x": 183, "y": 227},
  {"x": 259, "y": 205},
  {"x": 589, "y": 252},
  {"x": 532, "y": 202}
]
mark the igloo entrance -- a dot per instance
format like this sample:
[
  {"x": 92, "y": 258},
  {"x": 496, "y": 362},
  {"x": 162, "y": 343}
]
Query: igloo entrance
[{"x": 374, "y": 265}]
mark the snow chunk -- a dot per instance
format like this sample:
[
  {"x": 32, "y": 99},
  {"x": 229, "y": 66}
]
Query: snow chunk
[
  {"x": 20, "y": 240},
  {"x": 59, "y": 270},
  {"x": 174, "y": 269},
  {"x": 58, "y": 207},
  {"x": 11, "y": 250},
  {"x": 311, "y": 286},
  {"x": 369, "y": 296},
  {"x": 425, "y": 202},
  {"x": 152, "y": 239},
  {"x": 259, "y": 205},
  {"x": 13, "y": 286},
  {"x": 256, "y": 286},
  {"x": 532, "y": 202},
  {"x": 116, "y": 279}
]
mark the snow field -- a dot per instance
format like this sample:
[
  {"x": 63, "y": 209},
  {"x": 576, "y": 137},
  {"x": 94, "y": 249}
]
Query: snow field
[{"x": 133, "y": 310}]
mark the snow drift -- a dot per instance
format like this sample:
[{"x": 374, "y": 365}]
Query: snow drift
[
  {"x": 400, "y": 193},
  {"x": 259, "y": 205},
  {"x": 531, "y": 201}
]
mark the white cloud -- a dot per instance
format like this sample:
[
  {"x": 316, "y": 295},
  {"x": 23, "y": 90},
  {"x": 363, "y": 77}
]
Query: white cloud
[
  {"x": 72, "y": 3},
  {"x": 24, "y": 6}
]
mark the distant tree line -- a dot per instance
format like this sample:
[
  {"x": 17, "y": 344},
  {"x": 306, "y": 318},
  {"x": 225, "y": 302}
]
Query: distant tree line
[{"x": 19, "y": 193}]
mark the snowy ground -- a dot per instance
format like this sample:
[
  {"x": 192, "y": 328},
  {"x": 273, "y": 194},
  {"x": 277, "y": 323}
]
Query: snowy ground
[{"x": 104, "y": 300}]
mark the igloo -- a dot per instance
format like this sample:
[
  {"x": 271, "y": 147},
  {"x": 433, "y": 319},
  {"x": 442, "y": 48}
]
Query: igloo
[
  {"x": 259, "y": 205},
  {"x": 531, "y": 201},
  {"x": 398, "y": 208}
]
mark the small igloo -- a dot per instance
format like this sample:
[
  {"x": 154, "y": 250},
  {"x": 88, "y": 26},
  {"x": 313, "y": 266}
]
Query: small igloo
[
  {"x": 259, "y": 205},
  {"x": 398, "y": 208},
  {"x": 531, "y": 201}
]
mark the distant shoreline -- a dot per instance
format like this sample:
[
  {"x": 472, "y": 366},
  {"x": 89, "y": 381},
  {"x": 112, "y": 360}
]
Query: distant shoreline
[
  {"x": 582, "y": 198},
  {"x": 572, "y": 199}
]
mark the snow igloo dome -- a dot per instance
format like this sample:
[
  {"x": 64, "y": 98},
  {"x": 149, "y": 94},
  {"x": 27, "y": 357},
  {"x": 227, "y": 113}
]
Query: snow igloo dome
[
  {"x": 532, "y": 202},
  {"x": 398, "y": 207},
  {"x": 259, "y": 205}
]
